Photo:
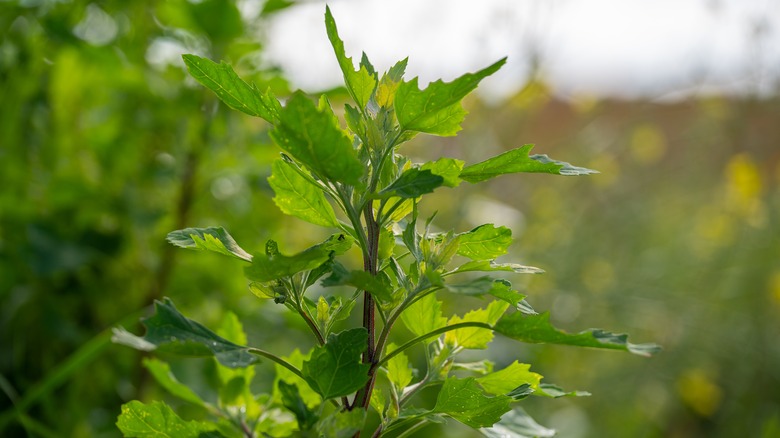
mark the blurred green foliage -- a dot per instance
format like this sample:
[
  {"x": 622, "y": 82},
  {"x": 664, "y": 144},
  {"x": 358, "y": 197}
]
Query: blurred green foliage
[{"x": 105, "y": 146}]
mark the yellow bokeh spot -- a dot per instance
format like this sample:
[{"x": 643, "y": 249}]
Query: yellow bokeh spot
[
  {"x": 648, "y": 144},
  {"x": 744, "y": 189},
  {"x": 699, "y": 392},
  {"x": 598, "y": 275}
]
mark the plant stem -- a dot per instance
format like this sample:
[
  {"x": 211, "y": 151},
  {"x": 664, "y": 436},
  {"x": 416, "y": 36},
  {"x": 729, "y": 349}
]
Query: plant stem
[{"x": 370, "y": 262}]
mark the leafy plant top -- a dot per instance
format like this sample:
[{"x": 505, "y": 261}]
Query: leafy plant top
[{"x": 351, "y": 178}]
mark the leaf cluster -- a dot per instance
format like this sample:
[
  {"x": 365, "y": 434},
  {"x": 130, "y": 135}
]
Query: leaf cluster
[{"x": 352, "y": 179}]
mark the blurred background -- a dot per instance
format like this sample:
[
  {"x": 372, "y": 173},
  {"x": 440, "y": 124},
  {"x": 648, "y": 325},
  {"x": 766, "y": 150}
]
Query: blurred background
[{"x": 106, "y": 145}]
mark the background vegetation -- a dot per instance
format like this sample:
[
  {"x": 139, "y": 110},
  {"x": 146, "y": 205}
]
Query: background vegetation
[{"x": 105, "y": 147}]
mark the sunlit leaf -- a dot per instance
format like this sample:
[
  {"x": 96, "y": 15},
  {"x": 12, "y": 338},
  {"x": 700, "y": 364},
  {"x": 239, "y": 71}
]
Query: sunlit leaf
[
  {"x": 168, "y": 330},
  {"x": 307, "y": 394},
  {"x": 437, "y": 109},
  {"x": 492, "y": 266},
  {"x": 237, "y": 94},
  {"x": 266, "y": 267},
  {"x": 518, "y": 160},
  {"x": 335, "y": 369},
  {"x": 399, "y": 373},
  {"x": 475, "y": 337},
  {"x": 385, "y": 92},
  {"x": 424, "y": 316},
  {"x": 464, "y": 400},
  {"x": 157, "y": 420},
  {"x": 447, "y": 168},
  {"x": 517, "y": 424},
  {"x": 214, "y": 239},
  {"x": 300, "y": 197},
  {"x": 360, "y": 83},
  {"x": 509, "y": 378},
  {"x": 315, "y": 140},
  {"x": 536, "y": 329},
  {"x": 486, "y": 242}
]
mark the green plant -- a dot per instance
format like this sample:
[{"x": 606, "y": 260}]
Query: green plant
[{"x": 330, "y": 390}]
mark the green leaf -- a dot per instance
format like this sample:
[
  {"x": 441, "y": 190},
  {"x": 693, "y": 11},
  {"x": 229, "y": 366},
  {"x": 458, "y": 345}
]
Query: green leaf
[
  {"x": 161, "y": 372},
  {"x": 291, "y": 399},
  {"x": 299, "y": 196},
  {"x": 447, "y": 168},
  {"x": 235, "y": 390},
  {"x": 314, "y": 139},
  {"x": 398, "y": 370},
  {"x": 518, "y": 160},
  {"x": 168, "y": 330},
  {"x": 555, "y": 391},
  {"x": 475, "y": 337},
  {"x": 296, "y": 359},
  {"x": 267, "y": 267},
  {"x": 485, "y": 242},
  {"x": 509, "y": 378},
  {"x": 413, "y": 183},
  {"x": 492, "y": 266},
  {"x": 517, "y": 424},
  {"x": 342, "y": 424},
  {"x": 385, "y": 92},
  {"x": 377, "y": 285},
  {"x": 360, "y": 83},
  {"x": 157, "y": 420},
  {"x": 463, "y": 400},
  {"x": 437, "y": 109},
  {"x": 536, "y": 329},
  {"x": 424, "y": 316},
  {"x": 214, "y": 239},
  {"x": 237, "y": 94},
  {"x": 501, "y": 289},
  {"x": 335, "y": 369}
]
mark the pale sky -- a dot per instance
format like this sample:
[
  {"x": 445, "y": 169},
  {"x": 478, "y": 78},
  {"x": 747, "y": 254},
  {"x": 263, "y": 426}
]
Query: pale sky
[{"x": 658, "y": 49}]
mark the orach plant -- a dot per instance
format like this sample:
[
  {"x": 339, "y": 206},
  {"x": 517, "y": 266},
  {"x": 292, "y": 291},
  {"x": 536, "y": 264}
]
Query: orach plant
[{"x": 406, "y": 270}]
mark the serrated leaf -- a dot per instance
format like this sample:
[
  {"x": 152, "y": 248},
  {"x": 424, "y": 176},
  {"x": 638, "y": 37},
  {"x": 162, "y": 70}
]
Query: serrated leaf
[
  {"x": 464, "y": 400},
  {"x": 161, "y": 372},
  {"x": 266, "y": 267},
  {"x": 157, "y": 420},
  {"x": 215, "y": 239},
  {"x": 335, "y": 369},
  {"x": 518, "y": 160},
  {"x": 314, "y": 139},
  {"x": 492, "y": 266},
  {"x": 413, "y": 183},
  {"x": 424, "y": 316},
  {"x": 291, "y": 399},
  {"x": 399, "y": 373},
  {"x": 300, "y": 197},
  {"x": 377, "y": 285},
  {"x": 360, "y": 83},
  {"x": 501, "y": 289},
  {"x": 231, "y": 89},
  {"x": 168, "y": 330},
  {"x": 486, "y": 242},
  {"x": 509, "y": 378},
  {"x": 342, "y": 424},
  {"x": 517, "y": 424},
  {"x": 475, "y": 337},
  {"x": 437, "y": 109},
  {"x": 536, "y": 329},
  {"x": 447, "y": 168}
]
